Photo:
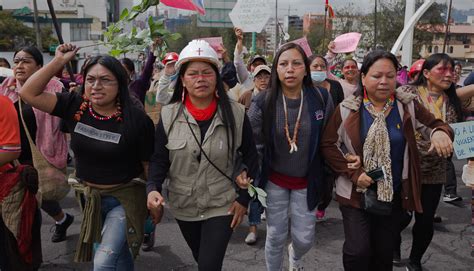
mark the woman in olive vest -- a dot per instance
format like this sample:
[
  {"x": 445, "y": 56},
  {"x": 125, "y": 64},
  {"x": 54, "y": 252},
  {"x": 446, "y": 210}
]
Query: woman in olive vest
[{"x": 198, "y": 142}]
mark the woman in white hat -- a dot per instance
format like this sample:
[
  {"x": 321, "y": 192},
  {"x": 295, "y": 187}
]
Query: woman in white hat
[{"x": 198, "y": 141}]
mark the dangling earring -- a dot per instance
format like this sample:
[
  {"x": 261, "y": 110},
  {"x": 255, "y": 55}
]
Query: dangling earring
[
  {"x": 365, "y": 92},
  {"x": 217, "y": 94},
  {"x": 183, "y": 94},
  {"x": 118, "y": 115}
]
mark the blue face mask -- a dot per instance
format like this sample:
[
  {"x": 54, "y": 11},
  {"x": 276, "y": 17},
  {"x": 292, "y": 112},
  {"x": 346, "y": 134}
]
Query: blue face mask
[
  {"x": 174, "y": 76},
  {"x": 318, "y": 76}
]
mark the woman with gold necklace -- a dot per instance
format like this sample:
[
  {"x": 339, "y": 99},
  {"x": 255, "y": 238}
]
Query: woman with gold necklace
[
  {"x": 287, "y": 121},
  {"x": 437, "y": 92}
]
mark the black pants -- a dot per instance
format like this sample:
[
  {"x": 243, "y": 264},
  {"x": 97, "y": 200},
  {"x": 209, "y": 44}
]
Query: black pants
[
  {"x": 326, "y": 191},
  {"x": 451, "y": 182},
  {"x": 369, "y": 238},
  {"x": 208, "y": 240},
  {"x": 51, "y": 207},
  {"x": 423, "y": 228}
]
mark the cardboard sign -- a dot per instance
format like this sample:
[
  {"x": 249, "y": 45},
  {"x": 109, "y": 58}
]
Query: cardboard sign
[
  {"x": 346, "y": 43},
  {"x": 251, "y": 15},
  {"x": 215, "y": 43},
  {"x": 463, "y": 139},
  {"x": 303, "y": 42}
]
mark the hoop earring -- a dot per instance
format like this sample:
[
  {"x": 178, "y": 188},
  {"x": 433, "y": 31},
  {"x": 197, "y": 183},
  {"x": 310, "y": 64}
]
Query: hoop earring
[{"x": 216, "y": 94}]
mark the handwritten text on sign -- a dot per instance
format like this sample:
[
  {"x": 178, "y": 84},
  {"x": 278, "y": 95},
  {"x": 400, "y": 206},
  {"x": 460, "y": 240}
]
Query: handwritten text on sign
[
  {"x": 463, "y": 139},
  {"x": 251, "y": 15}
]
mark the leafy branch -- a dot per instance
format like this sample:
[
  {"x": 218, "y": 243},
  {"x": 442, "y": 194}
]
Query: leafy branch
[
  {"x": 138, "y": 39},
  {"x": 258, "y": 193}
]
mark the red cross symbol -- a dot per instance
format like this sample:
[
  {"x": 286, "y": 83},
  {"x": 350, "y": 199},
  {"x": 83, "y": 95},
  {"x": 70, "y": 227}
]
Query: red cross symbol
[{"x": 199, "y": 51}]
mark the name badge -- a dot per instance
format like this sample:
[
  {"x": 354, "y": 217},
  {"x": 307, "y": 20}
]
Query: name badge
[{"x": 97, "y": 134}]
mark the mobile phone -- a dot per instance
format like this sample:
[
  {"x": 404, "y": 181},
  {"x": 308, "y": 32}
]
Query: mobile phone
[{"x": 377, "y": 174}]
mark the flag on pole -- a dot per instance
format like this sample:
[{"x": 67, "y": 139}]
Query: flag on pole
[
  {"x": 330, "y": 11},
  {"x": 195, "y": 5}
]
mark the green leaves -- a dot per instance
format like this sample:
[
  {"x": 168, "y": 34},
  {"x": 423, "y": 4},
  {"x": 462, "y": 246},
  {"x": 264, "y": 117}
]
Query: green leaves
[
  {"x": 137, "y": 40},
  {"x": 258, "y": 193}
]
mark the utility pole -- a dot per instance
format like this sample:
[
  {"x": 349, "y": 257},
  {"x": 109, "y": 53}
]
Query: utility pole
[
  {"x": 447, "y": 26},
  {"x": 375, "y": 25},
  {"x": 39, "y": 44},
  {"x": 407, "y": 52},
  {"x": 276, "y": 28}
]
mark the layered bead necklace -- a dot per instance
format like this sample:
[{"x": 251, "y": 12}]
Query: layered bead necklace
[
  {"x": 87, "y": 105},
  {"x": 292, "y": 140}
]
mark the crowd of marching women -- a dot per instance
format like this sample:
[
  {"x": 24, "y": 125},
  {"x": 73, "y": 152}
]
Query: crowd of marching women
[{"x": 225, "y": 130}]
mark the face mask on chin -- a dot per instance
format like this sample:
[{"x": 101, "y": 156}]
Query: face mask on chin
[
  {"x": 174, "y": 76},
  {"x": 318, "y": 76}
]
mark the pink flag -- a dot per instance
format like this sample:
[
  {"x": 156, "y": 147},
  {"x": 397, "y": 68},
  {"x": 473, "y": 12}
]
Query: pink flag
[
  {"x": 195, "y": 5},
  {"x": 215, "y": 43}
]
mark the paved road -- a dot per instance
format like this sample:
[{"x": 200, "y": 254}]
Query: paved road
[{"x": 449, "y": 250}]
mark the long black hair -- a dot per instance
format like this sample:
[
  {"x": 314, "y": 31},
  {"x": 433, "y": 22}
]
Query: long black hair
[
  {"x": 223, "y": 102},
  {"x": 453, "y": 98},
  {"x": 275, "y": 89},
  {"x": 130, "y": 66},
  {"x": 369, "y": 60},
  {"x": 120, "y": 74},
  {"x": 4, "y": 60},
  {"x": 34, "y": 52}
]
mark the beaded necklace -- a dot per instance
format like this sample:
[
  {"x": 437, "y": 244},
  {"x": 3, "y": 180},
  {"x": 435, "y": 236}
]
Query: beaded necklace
[
  {"x": 292, "y": 140},
  {"x": 97, "y": 117},
  {"x": 368, "y": 103},
  {"x": 86, "y": 104}
]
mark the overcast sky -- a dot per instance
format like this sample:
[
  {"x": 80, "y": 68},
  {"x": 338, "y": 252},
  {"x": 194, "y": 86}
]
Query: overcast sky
[{"x": 301, "y": 7}]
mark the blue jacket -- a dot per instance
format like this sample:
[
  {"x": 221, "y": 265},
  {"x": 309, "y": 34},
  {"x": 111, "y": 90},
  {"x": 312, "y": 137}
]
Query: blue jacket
[{"x": 318, "y": 101}]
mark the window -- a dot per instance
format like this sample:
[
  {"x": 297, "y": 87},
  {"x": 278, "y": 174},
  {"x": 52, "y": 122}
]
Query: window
[
  {"x": 451, "y": 49},
  {"x": 79, "y": 31},
  {"x": 436, "y": 49},
  {"x": 430, "y": 49}
]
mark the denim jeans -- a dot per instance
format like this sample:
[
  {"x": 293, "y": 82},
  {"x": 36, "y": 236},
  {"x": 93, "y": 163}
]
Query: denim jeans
[
  {"x": 113, "y": 252},
  {"x": 285, "y": 205},
  {"x": 255, "y": 210}
]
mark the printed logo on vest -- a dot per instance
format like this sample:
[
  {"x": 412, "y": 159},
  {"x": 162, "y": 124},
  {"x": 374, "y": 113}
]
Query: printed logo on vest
[
  {"x": 97, "y": 134},
  {"x": 319, "y": 114}
]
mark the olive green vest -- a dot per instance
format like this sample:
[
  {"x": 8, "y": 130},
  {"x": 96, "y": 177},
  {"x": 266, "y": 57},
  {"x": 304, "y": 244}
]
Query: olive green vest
[{"x": 197, "y": 191}]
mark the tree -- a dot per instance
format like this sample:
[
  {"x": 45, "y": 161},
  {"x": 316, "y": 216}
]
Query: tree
[
  {"x": 390, "y": 23},
  {"x": 14, "y": 34}
]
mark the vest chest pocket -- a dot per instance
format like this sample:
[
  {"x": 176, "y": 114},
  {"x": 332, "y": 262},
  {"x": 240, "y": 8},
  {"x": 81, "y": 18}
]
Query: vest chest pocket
[
  {"x": 176, "y": 144},
  {"x": 176, "y": 148}
]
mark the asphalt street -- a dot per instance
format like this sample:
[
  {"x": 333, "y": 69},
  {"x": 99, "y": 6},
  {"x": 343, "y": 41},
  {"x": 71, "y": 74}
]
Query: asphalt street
[{"x": 449, "y": 250}]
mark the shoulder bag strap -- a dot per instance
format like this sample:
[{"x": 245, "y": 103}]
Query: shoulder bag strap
[{"x": 36, "y": 155}]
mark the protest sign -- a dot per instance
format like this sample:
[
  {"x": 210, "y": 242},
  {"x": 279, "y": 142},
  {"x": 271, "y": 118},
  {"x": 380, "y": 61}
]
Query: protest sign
[
  {"x": 251, "y": 15},
  {"x": 346, "y": 43},
  {"x": 303, "y": 42},
  {"x": 463, "y": 139},
  {"x": 215, "y": 43}
]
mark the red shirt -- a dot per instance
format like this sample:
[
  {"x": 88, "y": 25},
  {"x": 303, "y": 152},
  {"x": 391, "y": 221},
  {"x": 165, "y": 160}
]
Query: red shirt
[
  {"x": 288, "y": 182},
  {"x": 9, "y": 129}
]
